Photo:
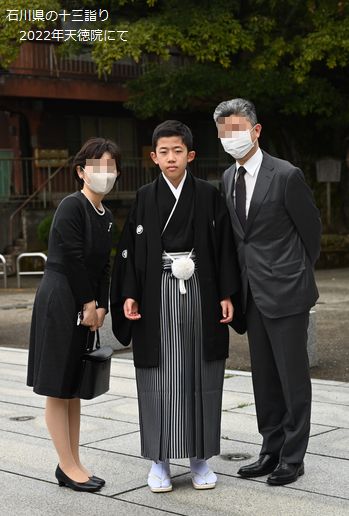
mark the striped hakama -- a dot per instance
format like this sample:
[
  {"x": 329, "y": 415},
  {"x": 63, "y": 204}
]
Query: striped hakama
[{"x": 180, "y": 401}]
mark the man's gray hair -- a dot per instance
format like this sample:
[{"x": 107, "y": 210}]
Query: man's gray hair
[{"x": 238, "y": 107}]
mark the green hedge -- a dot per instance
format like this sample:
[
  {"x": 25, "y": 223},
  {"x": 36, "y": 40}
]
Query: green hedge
[
  {"x": 43, "y": 229},
  {"x": 332, "y": 242}
]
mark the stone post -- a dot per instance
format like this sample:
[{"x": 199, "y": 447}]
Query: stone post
[{"x": 312, "y": 339}]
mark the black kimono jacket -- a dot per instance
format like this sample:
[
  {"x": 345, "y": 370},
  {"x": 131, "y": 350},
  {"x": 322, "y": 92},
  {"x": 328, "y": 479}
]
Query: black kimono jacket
[{"x": 138, "y": 268}]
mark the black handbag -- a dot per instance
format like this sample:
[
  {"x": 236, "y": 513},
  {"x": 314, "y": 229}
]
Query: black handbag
[{"x": 95, "y": 373}]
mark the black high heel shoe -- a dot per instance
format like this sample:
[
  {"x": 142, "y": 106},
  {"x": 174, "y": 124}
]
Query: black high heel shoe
[
  {"x": 88, "y": 486},
  {"x": 98, "y": 480}
]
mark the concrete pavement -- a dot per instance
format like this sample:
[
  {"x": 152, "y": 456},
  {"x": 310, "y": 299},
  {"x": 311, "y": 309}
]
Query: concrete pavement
[{"x": 110, "y": 446}]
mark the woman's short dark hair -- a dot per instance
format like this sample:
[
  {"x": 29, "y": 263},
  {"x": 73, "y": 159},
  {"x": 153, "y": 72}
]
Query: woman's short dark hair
[
  {"x": 95, "y": 148},
  {"x": 173, "y": 128}
]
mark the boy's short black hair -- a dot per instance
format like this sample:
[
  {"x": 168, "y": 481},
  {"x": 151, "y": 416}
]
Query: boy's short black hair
[
  {"x": 173, "y": 128},
  {"x": 95, "y": 148}
]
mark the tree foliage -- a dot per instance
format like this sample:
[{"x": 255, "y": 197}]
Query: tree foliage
[
  {"x": 10, "y": 30},
  {"x": 291, "y": 53}
]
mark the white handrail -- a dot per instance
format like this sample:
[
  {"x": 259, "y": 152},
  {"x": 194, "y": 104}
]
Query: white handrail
[
  {"x": 28, "y": 273},
  {"x": 4, "y": 271}
]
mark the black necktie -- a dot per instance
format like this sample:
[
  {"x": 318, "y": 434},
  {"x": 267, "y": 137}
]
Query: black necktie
[{"x": 240, "y": 196}]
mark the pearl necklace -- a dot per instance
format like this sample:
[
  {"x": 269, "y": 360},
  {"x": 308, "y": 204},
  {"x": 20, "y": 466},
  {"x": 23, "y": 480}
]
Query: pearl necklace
[{"x": 99, "y": 212}]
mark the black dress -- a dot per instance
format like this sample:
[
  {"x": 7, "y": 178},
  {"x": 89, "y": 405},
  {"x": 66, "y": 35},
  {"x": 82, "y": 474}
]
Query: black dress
[{"x": 77, "y": 271}]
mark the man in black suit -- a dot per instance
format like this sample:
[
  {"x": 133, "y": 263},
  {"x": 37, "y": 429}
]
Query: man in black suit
[{"x": 277, "y": 232}]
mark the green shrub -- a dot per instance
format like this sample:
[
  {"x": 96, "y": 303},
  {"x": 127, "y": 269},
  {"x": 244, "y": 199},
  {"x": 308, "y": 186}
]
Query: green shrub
[
  {"x": 43, "y": 229},
  {"x": 333, "y": 242}
]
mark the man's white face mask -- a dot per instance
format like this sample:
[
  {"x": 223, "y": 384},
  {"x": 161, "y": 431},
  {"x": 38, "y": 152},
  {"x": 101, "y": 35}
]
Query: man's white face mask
[{"x": 239, "y": 144}]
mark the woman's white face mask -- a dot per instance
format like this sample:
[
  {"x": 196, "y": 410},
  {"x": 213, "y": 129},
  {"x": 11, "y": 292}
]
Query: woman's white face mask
[
  {"x": 100, "y": 177},
  {"x": 100, "y": 182},
  {"x": 239, "y": 144}
]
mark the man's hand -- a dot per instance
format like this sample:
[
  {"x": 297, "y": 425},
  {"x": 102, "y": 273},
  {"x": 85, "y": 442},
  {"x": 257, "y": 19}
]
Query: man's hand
[
  {"x": 131, "y": 309},
  {"x": 227, "y": 310}
]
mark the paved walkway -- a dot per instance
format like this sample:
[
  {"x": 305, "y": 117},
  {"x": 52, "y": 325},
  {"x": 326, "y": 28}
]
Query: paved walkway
[{"x": 110, "y": 446}]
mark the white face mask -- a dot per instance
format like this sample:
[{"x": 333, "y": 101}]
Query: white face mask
[
  {"x": 238, "y": 146},
  {"x": 100, "y": 182}
]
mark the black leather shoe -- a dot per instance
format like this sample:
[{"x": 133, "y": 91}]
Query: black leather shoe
[
  {"x": 263, "y": 466},
  {"x": 285, "y": 474},
  {"x": 98, "y": 480},
  {"x": 63, "y": 480}
]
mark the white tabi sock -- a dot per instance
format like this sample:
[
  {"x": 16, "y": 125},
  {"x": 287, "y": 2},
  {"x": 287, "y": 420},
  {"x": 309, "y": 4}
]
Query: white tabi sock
[
  {"x": 159, "y": 477},
  {"x": 203, "y": 474},
  {"x": 160, "y": 468}
]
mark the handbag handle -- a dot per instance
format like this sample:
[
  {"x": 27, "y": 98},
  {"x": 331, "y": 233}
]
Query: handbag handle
[{"x": 91, "y": 342}]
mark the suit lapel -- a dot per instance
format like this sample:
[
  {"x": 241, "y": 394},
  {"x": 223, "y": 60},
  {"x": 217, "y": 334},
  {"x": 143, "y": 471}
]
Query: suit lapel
[
  {"x": 265, "y": 176},
  {"x": 229, "y": 187},
  {"x": 230, "y": 175}
]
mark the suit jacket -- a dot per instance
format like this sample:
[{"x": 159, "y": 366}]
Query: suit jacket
[
  {"x": 138, "y": 268},
  {"x": 281, "y": 242}
]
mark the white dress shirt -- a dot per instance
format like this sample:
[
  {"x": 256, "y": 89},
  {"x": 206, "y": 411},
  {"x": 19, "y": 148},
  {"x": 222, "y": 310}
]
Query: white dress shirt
[
  {"x": 252, "y": 167},
  {"x": 176, "y": 191}
]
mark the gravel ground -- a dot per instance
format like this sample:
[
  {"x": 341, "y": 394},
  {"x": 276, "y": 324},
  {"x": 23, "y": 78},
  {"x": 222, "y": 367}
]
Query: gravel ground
[{"x": 332, "y": 324}]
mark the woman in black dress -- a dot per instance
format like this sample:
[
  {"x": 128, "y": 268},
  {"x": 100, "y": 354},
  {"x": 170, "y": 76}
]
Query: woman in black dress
[{"x": 76, "y": 280}]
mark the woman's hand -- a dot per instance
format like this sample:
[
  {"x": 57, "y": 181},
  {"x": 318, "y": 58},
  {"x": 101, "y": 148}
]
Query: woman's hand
[
  {"x": 90, "y": 317},
  {"x": 131, "y": 309},
  {"x": 100, "y": 316},
  {"x": 227, "y": 310}
]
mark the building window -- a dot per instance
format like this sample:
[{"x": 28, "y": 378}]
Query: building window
[{"x": 121, "y": 130}]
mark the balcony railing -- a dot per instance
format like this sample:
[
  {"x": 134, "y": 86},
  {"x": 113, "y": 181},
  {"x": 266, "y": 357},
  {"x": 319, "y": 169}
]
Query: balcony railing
[
  {"x": 42, "y": 59},
  {"x": 20, "y": 177},
  {"x": 42, "y": 183}
]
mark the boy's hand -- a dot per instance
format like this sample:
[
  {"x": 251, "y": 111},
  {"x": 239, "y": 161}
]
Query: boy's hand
[
  {"x": 131, "y": 309},
  {"x": 227, "y": 310}
]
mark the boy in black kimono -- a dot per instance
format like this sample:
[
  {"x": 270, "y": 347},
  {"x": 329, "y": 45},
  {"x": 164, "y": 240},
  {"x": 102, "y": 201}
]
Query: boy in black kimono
[{"x": 173, "y": 277}]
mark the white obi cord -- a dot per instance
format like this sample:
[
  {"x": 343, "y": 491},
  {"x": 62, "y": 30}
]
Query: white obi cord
[{"x": 182, "y": 268}]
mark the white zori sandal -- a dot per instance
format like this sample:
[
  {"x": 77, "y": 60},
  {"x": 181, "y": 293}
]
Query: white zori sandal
[
  {"x": 202, "y": 476},
  {"x": 159, "y": 479}
]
